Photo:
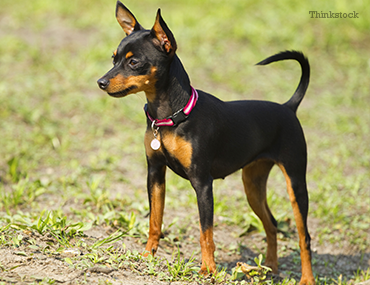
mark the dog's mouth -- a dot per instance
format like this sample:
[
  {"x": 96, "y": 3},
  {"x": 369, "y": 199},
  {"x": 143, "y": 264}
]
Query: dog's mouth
[{"x": 122, "y": 93}]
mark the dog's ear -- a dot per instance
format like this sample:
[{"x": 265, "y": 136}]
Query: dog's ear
[
  {"x": 126, "y": 20},
  {"x": 162, "y": 33}
]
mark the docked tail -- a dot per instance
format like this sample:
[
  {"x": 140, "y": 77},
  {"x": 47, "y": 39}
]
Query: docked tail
[{"x": 299, "y": 93}]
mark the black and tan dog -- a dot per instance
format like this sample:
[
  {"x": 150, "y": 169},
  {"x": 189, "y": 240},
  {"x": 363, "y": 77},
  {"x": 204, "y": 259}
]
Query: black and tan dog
[{"x": 202, "y": 138}]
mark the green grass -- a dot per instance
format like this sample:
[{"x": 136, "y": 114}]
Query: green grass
[{"x": 72, "y": 158}]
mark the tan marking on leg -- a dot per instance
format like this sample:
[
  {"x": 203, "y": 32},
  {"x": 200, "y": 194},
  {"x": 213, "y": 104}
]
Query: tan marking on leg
[
  {"x": 307, "y": 275},
  {"x": 156, "y": 218},
  {"x": 208, "y": 248},
  {"x": 255, "y": 179},
  {"x": 178, "y": 147}
]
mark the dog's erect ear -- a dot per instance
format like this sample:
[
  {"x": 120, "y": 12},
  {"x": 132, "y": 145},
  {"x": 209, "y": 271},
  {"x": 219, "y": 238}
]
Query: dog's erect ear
[
  {"x": 162, "y": 33},
  {"x": 125, "y": 18}
]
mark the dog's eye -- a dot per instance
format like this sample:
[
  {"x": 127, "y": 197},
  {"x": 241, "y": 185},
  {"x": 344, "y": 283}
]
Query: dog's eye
[{"x": 133, "y": 62}]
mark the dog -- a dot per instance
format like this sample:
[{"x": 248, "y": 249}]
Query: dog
[{"x": 202, "y": 138}]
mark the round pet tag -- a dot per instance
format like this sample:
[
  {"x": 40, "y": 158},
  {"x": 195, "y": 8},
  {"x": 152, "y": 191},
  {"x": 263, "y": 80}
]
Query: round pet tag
[{"x": 155, "y": 144}]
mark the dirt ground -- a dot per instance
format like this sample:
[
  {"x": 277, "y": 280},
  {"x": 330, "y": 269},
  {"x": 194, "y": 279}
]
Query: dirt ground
[{"x": 26, "y": 265}]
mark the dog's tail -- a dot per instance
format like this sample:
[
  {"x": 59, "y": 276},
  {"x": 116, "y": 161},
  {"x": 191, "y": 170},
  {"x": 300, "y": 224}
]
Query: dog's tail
[{"x": 299, "y": 93}]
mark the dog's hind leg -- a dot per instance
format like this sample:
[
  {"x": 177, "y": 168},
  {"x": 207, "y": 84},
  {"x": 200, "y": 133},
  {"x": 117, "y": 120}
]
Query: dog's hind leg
[
  {"x": 295, "y": 176},
  {"x": 255, "y": 179}
]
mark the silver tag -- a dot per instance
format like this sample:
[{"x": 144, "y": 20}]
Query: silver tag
[{"x": 155, "y": 144}]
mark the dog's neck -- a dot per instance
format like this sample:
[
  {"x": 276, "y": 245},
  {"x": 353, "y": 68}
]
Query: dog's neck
[{"x": 172, "y": 91}]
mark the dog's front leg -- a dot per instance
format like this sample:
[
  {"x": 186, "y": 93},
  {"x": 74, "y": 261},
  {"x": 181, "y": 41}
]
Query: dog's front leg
[
  {"x": 156, "y": 194},
  {"x": 204, "y": 193}
]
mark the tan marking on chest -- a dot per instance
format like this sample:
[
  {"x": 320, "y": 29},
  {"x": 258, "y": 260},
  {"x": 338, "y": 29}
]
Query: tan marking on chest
[
  {"x": 147, "y": 140},
  {"x": 175, "y": 145},
  {"x": 179, "y": 148}
]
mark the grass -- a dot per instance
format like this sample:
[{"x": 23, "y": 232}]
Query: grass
[{"x": 72, "y": 159}]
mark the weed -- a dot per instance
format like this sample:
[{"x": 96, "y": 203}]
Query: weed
[
  {"x": 109, "y": 240},
  {"x": 23, "y": 192},
  {"x": 181, "y": 269},
  {"x": 362, "y": 275},
  {"x": 257, "y": 274},
  {"x": 13, "y": 171}
]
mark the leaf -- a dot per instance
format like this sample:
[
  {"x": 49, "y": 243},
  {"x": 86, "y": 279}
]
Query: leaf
[
  {"x": 132, "y": 221},
  {"x": 13, "y": 168},
  {"x": 111, "y": 239},
  {"x": 237, "y": 273},
  {"x": 85, "y": 227}
]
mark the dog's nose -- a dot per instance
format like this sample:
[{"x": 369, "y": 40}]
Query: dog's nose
[{"x": 103, "y": 83}]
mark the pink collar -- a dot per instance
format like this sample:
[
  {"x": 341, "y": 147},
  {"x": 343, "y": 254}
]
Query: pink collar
[{"x": 179, "y": 116}]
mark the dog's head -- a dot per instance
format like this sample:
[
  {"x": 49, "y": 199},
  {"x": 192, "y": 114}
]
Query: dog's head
[{"x": 141, "y": 57}]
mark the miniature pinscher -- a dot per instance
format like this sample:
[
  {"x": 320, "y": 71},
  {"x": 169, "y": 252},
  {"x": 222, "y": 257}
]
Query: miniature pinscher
[{"x": 202, "y": 138}]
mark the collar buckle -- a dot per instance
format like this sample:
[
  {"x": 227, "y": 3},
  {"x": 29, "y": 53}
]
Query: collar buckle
[{"x": 178, "y": 117}]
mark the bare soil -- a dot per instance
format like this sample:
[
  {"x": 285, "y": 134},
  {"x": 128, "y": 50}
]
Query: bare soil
[{"x": 25, "y": 265}]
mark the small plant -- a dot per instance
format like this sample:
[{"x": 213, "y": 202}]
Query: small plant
[
  {"x": 98, "y": 197},
  {"x": 109, "y": 240},
  {"x": 181, "y": 269},
  {"x": 23, "y": 192},
  {"x": 256, "y": 274},
  {"x": 17, "y": 240},
  {"x": 362, "y": 275},
  {"x": 13, "y": 170}
]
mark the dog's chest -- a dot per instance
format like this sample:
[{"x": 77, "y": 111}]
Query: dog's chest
[{"x": 177, "y": 150}]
